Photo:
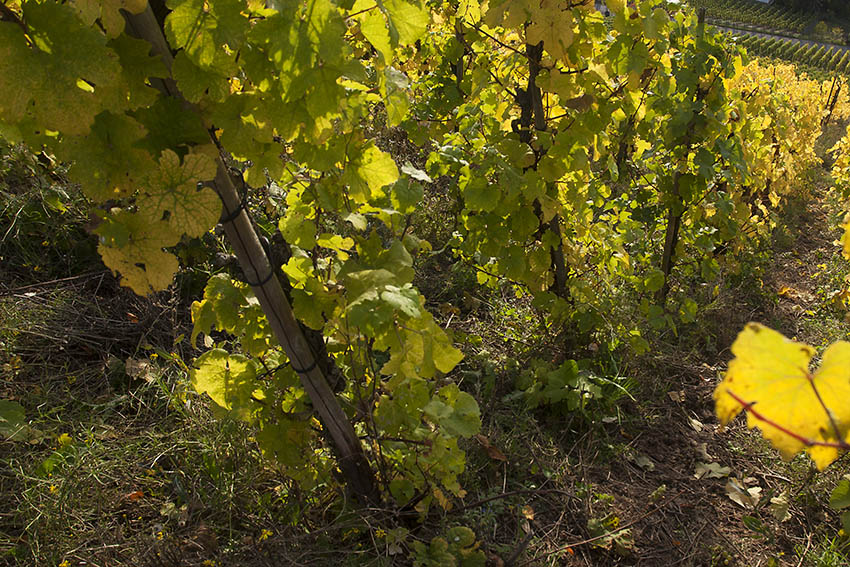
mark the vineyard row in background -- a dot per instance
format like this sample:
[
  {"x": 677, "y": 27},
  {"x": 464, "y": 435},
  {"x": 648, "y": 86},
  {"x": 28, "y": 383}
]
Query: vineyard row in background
[
  {"x": 751, "y": 15},
  {"x": 818, "y": 60}
]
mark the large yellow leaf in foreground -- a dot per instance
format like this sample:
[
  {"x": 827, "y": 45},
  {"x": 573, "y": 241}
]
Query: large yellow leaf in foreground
[{"x": 770, "y": 374}]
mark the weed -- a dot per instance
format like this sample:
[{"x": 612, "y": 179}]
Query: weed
[{"x": 830, "y": 552}]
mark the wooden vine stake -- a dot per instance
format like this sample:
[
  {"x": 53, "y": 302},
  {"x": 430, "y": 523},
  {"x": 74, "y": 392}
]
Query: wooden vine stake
[{"x": 255, "y": 264}]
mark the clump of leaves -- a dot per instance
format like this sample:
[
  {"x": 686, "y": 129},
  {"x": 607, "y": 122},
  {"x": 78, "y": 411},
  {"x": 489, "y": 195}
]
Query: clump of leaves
[{"x": 457, "y": 549}]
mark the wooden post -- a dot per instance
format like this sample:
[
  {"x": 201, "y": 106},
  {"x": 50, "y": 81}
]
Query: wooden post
[{"x": 257, "y": 268}]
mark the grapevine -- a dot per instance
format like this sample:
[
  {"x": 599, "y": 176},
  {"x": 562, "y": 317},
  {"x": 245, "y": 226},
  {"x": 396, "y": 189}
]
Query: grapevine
[{"x": 598, "y": 172}]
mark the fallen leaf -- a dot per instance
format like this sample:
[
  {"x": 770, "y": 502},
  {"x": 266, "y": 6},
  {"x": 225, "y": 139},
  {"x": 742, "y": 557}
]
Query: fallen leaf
[
  {"x": 134, "y": 496},
  {"x": 642, "y": 461},
  {"x": 528, "y": 512},
  {"x": 744, "y": 497},
  {"x": 658, "y": 493},
  {"x": 786, "y": 291},
  {"x": 696, "y": 424},
  {"x": 205, "y": 537},
  {"x": 138, "y": 369},
  {"x": 779, "y": 506},
  {"x": 711, "y": 470},
  {"x": 676, "y": 395},
  {"x": 493, "y": 452},
  {"x": 702, "y": 450}
]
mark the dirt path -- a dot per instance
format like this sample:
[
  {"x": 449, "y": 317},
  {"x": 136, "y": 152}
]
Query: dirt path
[{"x": 671, "y": 513}]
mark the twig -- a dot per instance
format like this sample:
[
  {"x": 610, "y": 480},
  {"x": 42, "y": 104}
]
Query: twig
[
  {"x": 806, "y": 551},
  {"x": 509, "y": 562},
  {"x": 396, "y": 440},
  {"x": 60, "y": 280}
]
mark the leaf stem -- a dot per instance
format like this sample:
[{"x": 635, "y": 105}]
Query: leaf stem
[
  {"x": 748, "y": 407},
  {"x": 829, "y": 413}
]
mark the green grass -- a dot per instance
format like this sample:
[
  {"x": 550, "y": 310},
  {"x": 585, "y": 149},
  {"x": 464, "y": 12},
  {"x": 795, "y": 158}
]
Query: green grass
[{"x": 830, "y": 552}]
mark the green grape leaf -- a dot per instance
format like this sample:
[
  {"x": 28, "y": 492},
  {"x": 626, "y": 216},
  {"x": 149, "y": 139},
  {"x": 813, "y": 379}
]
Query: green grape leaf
[
  {"x": 406, "y": 195},
  {"x": 404, "y": 299},
  {"x": 325, "y": 29},
  {"x": 421, "y": 350},
  {"x": 257, "y": 336},
  {"x": 358, "y": 221},
  {"x": 288, "y": 443},
  {"x": 137, "y": 66},
  {"x": 771, "y": 372},
  {"x": 203, "y": 27},
  {"x": 654, "y": 281},
  {"x": 308, "y": 309},
  {"x": 228, "y": 379},
  {"x": 298, "y": 230},
  {"x": 840, "y": 496},
  {"x": 455, "y": 411},
  {"x": 73, "y": 67},
  {"x": 195, "y": 82},
  {"x": 369, "y": 172},
  {"x": 223, "y": 299},
  {"x": 523, "y": 223},
  {"x": 171, "y": 196},
  {"x": 402, "y": 411},
  {"x": 513, "y": 263},
  {"x": 616, "y": 6},
  {"x": 373, "y": 25},
  {"x": 479, "y": 195},
  {"x": 408, "y": 20},
  {"x": 107, "y": 11},
  {"x": 266, "y": 163},
  {"x": 396, "y": 99},
  {"x": 133, "y": 246},
  {"x": 170, "y": 126},
  {"x": 20, "y": 74},
  {"x": 688, "y": 311}
]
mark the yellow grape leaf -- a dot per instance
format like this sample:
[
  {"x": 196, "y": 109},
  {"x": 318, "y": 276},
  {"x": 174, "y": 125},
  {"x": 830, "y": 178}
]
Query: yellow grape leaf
[
  {"x": 228, "y": 379},
  {"x": 616, "y": 6},
  {"x": 108, "y": 12},
  {"x": 173, "y": 196},
  {"x": 845, "y": 237},
  {"x": 133, "y": 246},
  {"x": 107, "y": 161},
  {"x": 552, "y": 25},
  {"x": 770, "y": 375}
]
